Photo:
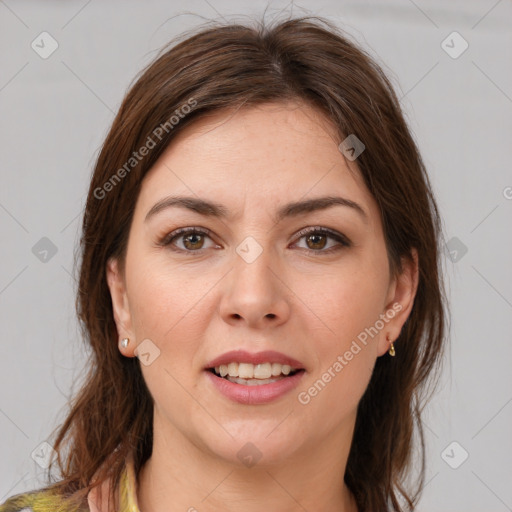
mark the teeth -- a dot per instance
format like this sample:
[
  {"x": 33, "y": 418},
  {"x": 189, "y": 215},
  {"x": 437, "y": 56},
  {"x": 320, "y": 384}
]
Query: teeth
[
  {"x": 232, "y": 369},
  {"x": 252, "y": 382},
  {"x": 261, "y": 371},
  {"x": 278, "y": 368},
  {"x": 245, "y": 371}
]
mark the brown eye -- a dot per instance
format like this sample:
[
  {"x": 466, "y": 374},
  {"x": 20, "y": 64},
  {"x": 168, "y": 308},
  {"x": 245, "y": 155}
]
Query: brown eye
[
  {"x": 193, "y": 241},
  {"x": 317, "y": 240},
  {"x": 186, "y": 240}
]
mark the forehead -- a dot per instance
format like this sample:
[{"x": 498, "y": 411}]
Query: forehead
[{"x": 254, "y": 157}]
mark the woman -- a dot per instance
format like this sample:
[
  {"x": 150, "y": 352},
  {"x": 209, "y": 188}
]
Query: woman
[{"x": 260, "y": 286}]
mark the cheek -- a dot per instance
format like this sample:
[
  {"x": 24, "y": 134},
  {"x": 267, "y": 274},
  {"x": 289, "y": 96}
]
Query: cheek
[
  {"x": 170, "y": 313},
  {"x": 345, "y": 302},
  {"x": 165, "y": 305},
  {"x": 345, "y": 352},
  {"x": 348, "y": 304}
]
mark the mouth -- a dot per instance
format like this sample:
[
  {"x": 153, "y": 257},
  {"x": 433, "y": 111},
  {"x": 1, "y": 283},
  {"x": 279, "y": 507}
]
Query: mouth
[
  {"x": 254, "y": 391},
  {"x": 254, "y": 378},
  {"x": 248, "y": 374}
]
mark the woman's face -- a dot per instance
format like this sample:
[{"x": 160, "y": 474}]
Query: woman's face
[{"x": 265, "y": 277}]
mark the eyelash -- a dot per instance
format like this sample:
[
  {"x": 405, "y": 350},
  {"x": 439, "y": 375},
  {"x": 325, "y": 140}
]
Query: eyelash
[{"x": 317, "y": 230}]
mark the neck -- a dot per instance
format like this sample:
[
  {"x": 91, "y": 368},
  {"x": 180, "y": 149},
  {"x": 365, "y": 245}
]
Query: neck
[{"x": 179, "y": 476}]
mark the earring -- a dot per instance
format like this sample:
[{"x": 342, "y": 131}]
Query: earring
[
  {"x": 391, "y": 350},
  {"x": 124, "y": 342}
]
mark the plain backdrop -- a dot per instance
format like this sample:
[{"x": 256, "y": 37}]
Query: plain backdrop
[{"x": 55, "y": 112}]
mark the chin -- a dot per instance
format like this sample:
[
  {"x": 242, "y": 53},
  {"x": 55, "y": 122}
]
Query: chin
[{"x": 254, "y": 446}]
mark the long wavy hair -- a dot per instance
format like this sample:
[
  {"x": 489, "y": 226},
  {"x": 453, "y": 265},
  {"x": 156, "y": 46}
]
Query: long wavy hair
[{"x": 230, "y": 66}]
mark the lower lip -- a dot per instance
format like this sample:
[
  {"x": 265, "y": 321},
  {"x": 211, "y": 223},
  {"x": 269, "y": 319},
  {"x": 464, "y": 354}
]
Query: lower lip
[{"x": 253, "y": 395}]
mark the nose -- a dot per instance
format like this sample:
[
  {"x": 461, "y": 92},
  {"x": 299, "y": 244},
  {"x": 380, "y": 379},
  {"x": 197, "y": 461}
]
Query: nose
[{"x": 254, "y": 293}]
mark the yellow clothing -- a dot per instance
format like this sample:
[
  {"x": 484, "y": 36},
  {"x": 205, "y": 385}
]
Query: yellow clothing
[{"x": 45, "y": 501}]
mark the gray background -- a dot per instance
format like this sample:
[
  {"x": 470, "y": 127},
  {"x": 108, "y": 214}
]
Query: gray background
[{"x": 55, "y": 113}]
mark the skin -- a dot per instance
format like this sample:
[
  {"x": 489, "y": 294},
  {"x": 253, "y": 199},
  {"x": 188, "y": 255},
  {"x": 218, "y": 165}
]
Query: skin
[{"x": 293, "y": 298}]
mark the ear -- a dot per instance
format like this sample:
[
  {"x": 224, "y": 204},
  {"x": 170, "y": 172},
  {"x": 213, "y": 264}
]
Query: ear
[
  {"x": 120, "y": 305},
  {"x": 399, "y": 301}
]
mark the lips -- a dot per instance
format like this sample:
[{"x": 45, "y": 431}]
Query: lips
[
  {"x": 242, "y": 356},
  {"x": 254, "y": 394}
]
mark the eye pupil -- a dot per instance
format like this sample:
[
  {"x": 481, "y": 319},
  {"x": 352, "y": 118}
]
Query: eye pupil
[
  {"x": 187, "y": 238},
  {"x": 317, "y": 236}
]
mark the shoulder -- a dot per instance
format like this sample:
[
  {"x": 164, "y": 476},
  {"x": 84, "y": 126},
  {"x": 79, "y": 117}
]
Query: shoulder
[
  {"x": 29, "y": 501},
  {"x": 41, "y": 500},
  {"x": 49, "y": 500}
]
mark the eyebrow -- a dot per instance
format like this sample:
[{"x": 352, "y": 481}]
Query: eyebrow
[{"x": 294, "y": 209}]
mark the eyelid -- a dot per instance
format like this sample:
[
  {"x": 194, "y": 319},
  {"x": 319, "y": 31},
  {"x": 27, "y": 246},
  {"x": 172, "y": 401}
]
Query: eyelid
[
  {"x": 326, "y": 231},
  {"x": 166, "y": 240}
]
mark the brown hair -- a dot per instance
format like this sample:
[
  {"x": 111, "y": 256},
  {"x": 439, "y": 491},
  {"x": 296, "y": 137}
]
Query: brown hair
[{"x": 229, "y": 66}]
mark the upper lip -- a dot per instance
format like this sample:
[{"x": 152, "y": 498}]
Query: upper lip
[{"x": 242, "y": 356}]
